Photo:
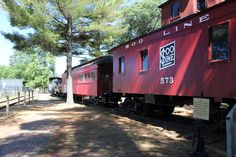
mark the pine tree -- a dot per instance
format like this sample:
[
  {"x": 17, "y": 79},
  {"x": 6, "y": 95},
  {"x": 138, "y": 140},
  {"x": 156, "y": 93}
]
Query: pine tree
[
  {"x": 140, "y": 18},
  {"x": 64, "y": 27}
]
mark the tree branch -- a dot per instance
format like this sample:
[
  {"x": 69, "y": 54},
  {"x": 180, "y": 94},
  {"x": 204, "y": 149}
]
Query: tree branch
[
  {"x": 59, "y": 21},
  {"x": 61, "y": 10},
  {"x": 158, "y": 18}
]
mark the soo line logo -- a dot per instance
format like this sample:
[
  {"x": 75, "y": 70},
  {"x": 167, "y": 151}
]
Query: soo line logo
[{"x": 167, "y": 55}]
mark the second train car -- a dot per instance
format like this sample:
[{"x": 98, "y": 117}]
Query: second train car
[{"x": 93, "y": 78}]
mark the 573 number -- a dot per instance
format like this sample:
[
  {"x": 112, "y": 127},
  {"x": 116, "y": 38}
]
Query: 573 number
[{"x": 167, "y": 80}]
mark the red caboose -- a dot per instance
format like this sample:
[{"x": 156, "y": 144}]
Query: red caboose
[
  {"x": 93, "y": 78},
  {"x": 194, "y": 55}
]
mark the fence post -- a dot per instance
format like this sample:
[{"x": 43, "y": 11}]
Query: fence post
[
  {"x": 29, "y": 96},
  {"x": 7, "y": 106},
  {"x": 24, "y": 97},
  {"x": 18, "y": 93}
]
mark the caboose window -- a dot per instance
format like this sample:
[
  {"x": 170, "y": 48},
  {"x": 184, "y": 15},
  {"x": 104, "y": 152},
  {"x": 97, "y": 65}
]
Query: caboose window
[
  {"x": 93, "y": 75},
  {"x": 121, "y": 65},
  {"x": 81, "y": 77},
  {"x": 144, "y": 60},
  {"x": 175, "y": 9},
  {"x": 219, "y": 43},
  {"x": 201, "y": 5}
]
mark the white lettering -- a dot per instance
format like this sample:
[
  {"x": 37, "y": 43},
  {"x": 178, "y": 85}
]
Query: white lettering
[
  {"x": 166, "y": 33},
  {"x": 188, "y": 24},
  {"x": 167, "y": 80},
  {"x": 176, "y": 28},
  {"x": 140, "y": 41},
  {"x": 204, "y": 18}
]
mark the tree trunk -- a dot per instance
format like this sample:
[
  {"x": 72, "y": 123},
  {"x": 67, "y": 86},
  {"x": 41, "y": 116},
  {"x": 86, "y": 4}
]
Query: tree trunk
[{"x": 69, "y": 99}]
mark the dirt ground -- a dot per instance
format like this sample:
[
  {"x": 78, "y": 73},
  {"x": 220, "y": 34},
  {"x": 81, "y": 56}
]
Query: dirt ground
[{"x": 53, "y": 128}]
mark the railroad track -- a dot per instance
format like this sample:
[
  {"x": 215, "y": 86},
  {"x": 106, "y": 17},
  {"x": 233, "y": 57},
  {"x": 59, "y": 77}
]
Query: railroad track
[
  {"x": 156, "y": 119},
  {"x": 182, "y": 126}
]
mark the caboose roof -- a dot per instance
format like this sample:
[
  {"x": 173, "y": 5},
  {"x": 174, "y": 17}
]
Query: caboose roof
[
  {"x": 171, "y": 24},
  {"x": 99, "y": 60},
  {"x": 51, "y": 78},
  {"x": 165, "y": 3}
]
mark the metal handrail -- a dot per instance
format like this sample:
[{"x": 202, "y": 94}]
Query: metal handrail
[{"x": 231, "y": 132}]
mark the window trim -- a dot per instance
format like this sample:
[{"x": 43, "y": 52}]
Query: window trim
[
  {"x": 171, "y": 9},
  {"x": 200, "y": 9},
  {"x": 81, "y": 77},
  {"x": 210, "y": 60},
  {"x": 119, "y": 65},
  {"x": 141, "y": 63}
]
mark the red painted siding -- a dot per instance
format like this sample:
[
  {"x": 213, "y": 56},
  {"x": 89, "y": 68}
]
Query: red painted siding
[
  {"x": 87, "y": 86},
  {"x": 210, "y": 3},
  {"x": 193, "y": 74},
  {"x": 187, "y": 7}
]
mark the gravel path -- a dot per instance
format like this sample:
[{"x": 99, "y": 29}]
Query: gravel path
[{"x": 28, "y": 129}]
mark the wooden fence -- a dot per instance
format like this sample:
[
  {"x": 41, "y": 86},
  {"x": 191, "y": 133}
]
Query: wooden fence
[{"x": 27, "y": 97}]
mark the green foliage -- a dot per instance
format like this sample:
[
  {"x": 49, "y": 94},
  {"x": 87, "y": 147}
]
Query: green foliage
[
  {"x": 34, "y": 67},
  {"x": 141, "y": 18},
  {"x": 92, "y": 30},
  {"x": 104, "y": 26},
  {"x": 5, "y": 72}
]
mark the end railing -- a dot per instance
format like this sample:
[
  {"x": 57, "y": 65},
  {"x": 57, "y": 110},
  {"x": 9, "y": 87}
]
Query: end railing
[{"x": 231, "y": 132}]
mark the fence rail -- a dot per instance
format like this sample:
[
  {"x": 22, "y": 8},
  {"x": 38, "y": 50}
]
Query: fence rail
[{"x": 16, "y": 100}]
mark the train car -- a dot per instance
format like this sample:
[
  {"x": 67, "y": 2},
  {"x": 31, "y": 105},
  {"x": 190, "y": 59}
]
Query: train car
[
  {"x": 192, "y": 55},
  {"x": 54, "y": 86},
  {"x": 93, "y": 78}
]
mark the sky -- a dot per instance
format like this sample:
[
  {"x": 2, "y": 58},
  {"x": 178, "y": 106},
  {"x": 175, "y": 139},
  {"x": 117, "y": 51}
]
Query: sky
[{"x": 5, "y": 45}]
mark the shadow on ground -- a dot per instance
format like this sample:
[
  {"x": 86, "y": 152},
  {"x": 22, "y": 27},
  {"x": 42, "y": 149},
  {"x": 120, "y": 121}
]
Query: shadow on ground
[
  {"x": 39, "y": 125},
  {"x": 23, "y": 144},
  {"x": 91, "y": 132},
  {"x": 86, "y": 131}
]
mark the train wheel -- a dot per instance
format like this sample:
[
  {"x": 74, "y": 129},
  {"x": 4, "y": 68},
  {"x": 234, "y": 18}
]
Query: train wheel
[
  {"x": 131, "y": 106},
  {"x": 128, "y": 105},
  {"x": 138, "y": 107},
  {"x": 168, "y": 110},
  {"x": 77, "y": 99},
  {"x": 147, "y": 109},
  {"x": 105, "y": 104}
]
